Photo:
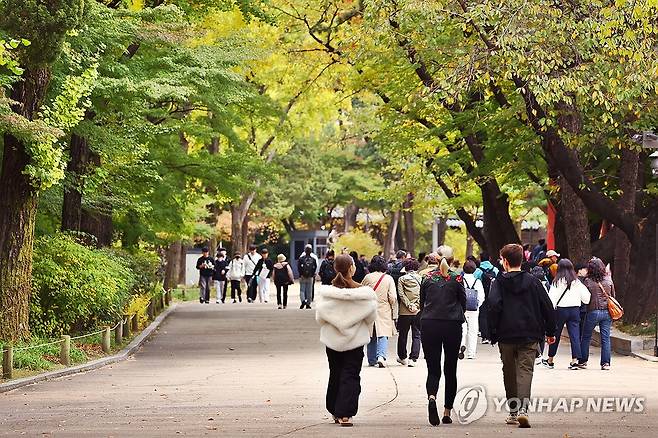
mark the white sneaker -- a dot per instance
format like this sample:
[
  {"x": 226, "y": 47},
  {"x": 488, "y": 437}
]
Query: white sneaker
[
  {"x": 512, "y": 419},
  {"x": 403, "y": 362},
  {"x": 470, "y": 356},
  {"x": 412, "y": 363},
  {"x": 381, "y": 362}
]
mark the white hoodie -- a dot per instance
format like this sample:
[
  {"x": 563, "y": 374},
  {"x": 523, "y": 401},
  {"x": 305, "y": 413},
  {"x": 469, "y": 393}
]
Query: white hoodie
[
  {"x": 346, "y": 316},
  {"x": 577, "y": 294}
]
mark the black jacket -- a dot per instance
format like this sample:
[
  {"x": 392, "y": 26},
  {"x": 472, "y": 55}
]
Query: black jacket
[
  {"x": 327, "y": 272},
  {"x": 201, "y": 264},
  {"x": 269, "y": 264},
  {"x": 221, "y": 268},
  {"x": 442, "y": 297},
  {"x": 520, "y": 310}
]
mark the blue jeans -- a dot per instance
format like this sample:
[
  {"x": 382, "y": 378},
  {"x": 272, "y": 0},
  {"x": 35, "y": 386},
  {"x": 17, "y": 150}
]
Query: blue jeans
[
  {"x": 603, "y": 320},
  {"x": 571, "y": 317},
  {"x": 306, "y": 289},
  {"x": 377, "y": 347}
]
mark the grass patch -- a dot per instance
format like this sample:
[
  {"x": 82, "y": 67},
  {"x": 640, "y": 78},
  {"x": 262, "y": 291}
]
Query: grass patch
[
  {"x": 185, "y": 294},
  {"x": 44, "y": 358},
  {"x": 647, "y": 328}
]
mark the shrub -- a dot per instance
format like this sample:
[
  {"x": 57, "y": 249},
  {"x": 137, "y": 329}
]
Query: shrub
[
  {"x": 75, "y": 287},
  {"x": 358, "y": 241},
  {"x": 144, "y": 266}
]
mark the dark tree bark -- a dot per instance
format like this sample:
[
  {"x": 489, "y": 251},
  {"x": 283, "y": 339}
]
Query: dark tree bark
[
  {"x": 628, "y": 176},
  {"x": 18, "y": 206},
  {"x": 182, "y": 264},
  {"x": 349, "y": 216},
  {"x": 409, "y": 225},
  {"x": 173, "y": 261},
  {"x": 389, "y": 241}
]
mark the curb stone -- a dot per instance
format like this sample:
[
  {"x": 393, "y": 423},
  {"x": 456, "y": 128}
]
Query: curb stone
[{"x": 95, "y": 364}]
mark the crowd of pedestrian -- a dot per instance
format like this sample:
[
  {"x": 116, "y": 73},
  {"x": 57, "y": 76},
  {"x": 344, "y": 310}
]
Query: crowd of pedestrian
[{"x": 520, "y": 301}]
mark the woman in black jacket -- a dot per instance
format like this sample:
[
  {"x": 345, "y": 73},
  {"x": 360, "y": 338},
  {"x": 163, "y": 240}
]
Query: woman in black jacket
[{"x": 442, "y": 304}]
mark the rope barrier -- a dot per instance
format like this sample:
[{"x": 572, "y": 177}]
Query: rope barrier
[{"x": 59, "y": 341}]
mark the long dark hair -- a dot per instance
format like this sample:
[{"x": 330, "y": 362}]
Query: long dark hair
[
  {"x": 343, "y": 279},
  {"x": 566, "y": 272},
  {"x": 596, "y": 270}
]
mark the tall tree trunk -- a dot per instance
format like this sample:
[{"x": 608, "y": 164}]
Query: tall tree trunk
[
  {"x": 389, "y": 243},
  {"x": 182, "y": 264},
  {"x": 173, "y": 261},
  {"x": 409, "y": 226},
  {"x": 349, "y": 216},
  {"x": 18, "y": 207},
  {"x": 443, "y": 229},
  {"x": 75, "y": 168},
  {"x": 245, "y": 233},
  {"x": 499, "y": 229},
  {"x": 639, "y": 296},
  {"x": 576, "y": 225},
  {"x": 469, "y": 245},
  {"x": 628, "y": 178}
]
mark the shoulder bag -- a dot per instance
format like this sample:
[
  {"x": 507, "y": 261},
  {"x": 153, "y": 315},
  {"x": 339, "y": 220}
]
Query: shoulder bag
[{"x": 614, "y": 308}]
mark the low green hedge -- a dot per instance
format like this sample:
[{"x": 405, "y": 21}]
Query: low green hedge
[{"x": 76, "y": 288}]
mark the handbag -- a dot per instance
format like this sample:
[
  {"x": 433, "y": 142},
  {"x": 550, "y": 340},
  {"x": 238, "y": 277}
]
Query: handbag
[{"x": 614, "y": 308}]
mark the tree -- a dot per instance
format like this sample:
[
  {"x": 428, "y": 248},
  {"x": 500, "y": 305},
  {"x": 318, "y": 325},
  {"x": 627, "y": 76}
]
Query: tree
[{"x": 30, "y": 162}]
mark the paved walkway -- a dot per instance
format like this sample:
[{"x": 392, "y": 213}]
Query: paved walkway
[{"x": 253, "y": 370}]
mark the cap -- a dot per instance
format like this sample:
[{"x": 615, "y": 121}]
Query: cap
[{"x": 552, "y": 253}]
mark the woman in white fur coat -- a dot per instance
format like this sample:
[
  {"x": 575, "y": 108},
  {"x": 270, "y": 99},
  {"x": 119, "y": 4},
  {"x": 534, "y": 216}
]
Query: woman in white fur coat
[{"x": 346, "y": 312}]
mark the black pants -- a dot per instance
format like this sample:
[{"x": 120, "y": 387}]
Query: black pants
[
  {"x": 483, "y": 324},
  {"x": 252, "y": 289},
  {"x": 439, "y": 337},
  {"x": 406, "y": 322},
  {"x": 224, "y": 290},
  {"x": 344, "y": 385},
  {"x": 282, "y": 288},
  {"x": 235, "y": 288}
]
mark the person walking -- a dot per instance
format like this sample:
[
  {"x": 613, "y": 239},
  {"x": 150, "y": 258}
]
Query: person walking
[
  {"x": 250, "y": 260},
  {"x": 387, "y": 310},
  {"x": 219, "y": 276},
  {"x": 262, "y": 273},
  {"x": 486, "y": 273},
  {"x": 567, "y": 294},
  {"x": 409, "y": 294},
  {"x": 206, "y": 266},
  {"x": 327, "y": 272},
  {"x": 360, "y": 266},
  {"x": 235, "y": 275},
  {"x": 346, "y": 311},
  {"x": 601, "y": 287},
  {"x": 520, "y": 314},
  {"x": 283, "y": 277},
  {"x": 307, "y": 266},
  {"x": 442, "y": 307},
  {"x": 474, "y": 300},
  {"x": 581, "y": 271}
]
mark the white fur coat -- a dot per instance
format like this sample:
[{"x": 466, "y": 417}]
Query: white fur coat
[{"x": 346, "y": 316}]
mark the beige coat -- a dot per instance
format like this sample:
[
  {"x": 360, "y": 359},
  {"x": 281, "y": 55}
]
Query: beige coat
[{"x": 387, "y": 303}]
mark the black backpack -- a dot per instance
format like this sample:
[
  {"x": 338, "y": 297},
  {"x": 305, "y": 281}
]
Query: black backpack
[
  {"x": 395, "y": 271},
  {"x": 307, "y": 266},
  {"x": 488, "y": 275},
  {"x": 327, "y": 271},
  {"x": 281, "y": 276}
]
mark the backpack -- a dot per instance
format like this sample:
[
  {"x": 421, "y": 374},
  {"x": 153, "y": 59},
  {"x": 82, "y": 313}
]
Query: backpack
[
  {"x": 471, "y": 296},
  {"x": 307, "y": 266},
  {"x": 281, "y": 275},
  {"x": 488, "y": 275},
  {"x": 327, "y": 271},
  {"x": 395, "y": 271}
]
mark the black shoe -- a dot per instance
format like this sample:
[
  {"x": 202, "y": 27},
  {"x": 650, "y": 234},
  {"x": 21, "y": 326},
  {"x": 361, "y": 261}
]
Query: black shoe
[
  {"x": 201, "y": 300},
  {"x": 446, "y": 420},
  {"x": 240, "y": 298},
  {"x": 308, "y": 305},
  {"x": 461, "y": 352},
  {"x": 303, "y": 305},
  {"x": 432, "y": 412},
  {"x": 207, "y": 302}
]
